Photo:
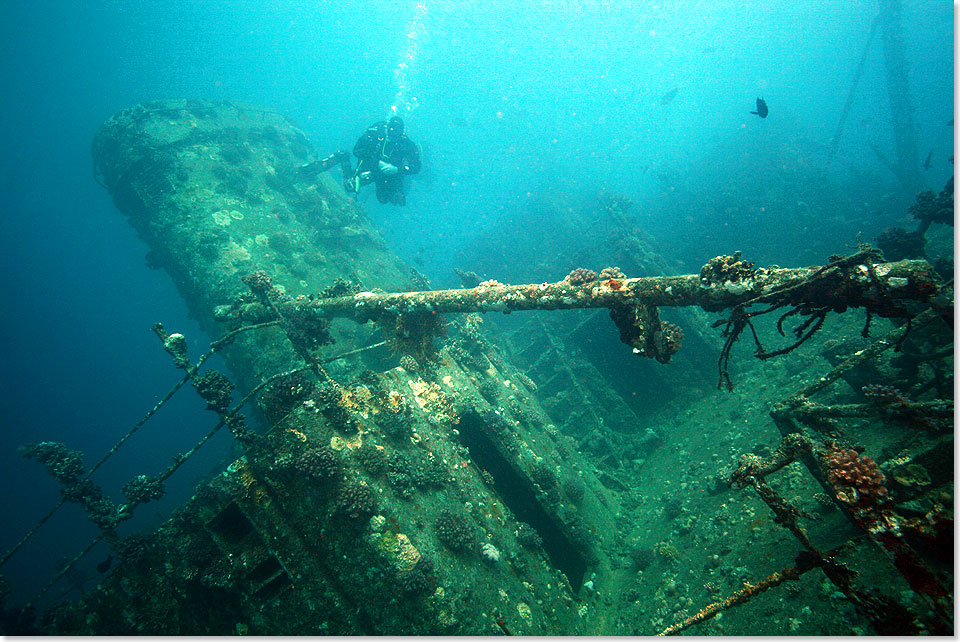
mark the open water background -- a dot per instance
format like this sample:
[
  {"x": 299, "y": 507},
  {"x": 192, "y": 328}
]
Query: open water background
[{"x": 514, "y": 100}]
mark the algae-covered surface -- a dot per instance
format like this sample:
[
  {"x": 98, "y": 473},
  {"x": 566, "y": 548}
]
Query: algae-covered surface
[
  {"x": 453, "y": 476},
  {"x": 739, "y": 456}
]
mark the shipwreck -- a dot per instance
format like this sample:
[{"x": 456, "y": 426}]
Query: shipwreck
[{"x": 402, "y": 472}]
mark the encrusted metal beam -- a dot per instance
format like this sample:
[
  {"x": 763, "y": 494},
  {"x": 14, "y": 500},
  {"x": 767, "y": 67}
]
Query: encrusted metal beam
[{"x": 870, "y": 286}]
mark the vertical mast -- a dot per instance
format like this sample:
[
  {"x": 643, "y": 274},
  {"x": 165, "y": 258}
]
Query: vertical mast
[{"x": 907, "y": 165}]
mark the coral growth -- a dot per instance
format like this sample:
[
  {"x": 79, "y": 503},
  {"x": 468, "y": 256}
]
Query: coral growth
[
  {"x": 284, "y": 394},
  {"x": 214, "y": 387},
  {"x": 409, "y": 364},
  {"x": 545, "y": 475},
  {"x": 372, "y": 459},
  {"x": 340, "y": 287},
  {"x": 668, "y": 340},
  {"x": 883, "y": 394},
  {"x": 142, "y": 489},
  {"x": 608, "y": 273},
  {"x": 320, "y": 463},
  {"x": 574, "y": 489},
  {"x": 490, "y": 553},
  {"x": 726, "y": 268},
  {"x": 856, "y": 481},
  {"x": 528, "y": 536},
  {"x": 580, "y": 276},
  {"x": 63, "y": 464},
  {"x": 413, "y": 334},
  {"x": 454, "y": 532},
  {"x": 419, "y": 580},
  {"x": 898, "y": 244},
  {"x": 642, "y": 556},
  {"x": 258, "y": 282},
  {"x": 305, "y": 327},
  {"x": 176, "y": 345},
  {"x": 357, "y": 502},
  {"x": 133, "y": 549},
  {"x": 66, "y": 466},
  {"x": 934, "y": 208},
  {"x": 396, "y": 417}
]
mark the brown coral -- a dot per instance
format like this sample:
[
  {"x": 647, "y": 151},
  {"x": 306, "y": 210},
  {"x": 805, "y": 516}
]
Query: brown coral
[
  {"x": 581, "y": 276},
  {"x": 856, "y": 481}
]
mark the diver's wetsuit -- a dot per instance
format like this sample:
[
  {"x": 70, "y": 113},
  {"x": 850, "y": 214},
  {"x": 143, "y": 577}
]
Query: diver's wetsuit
[{"x": 374, "y": 146}]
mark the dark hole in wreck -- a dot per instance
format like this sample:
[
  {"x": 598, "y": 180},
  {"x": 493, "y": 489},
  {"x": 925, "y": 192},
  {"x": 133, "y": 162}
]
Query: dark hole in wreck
[{"x": 518, "y": 493}]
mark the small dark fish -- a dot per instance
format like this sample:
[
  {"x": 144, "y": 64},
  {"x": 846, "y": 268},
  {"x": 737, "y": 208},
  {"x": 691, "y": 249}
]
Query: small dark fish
[
  {"x": 104, "y": 566},
  {"x": 669, "y": 96},
  {"x": 762, "y": 110},
  {"x": 709, "y": 50},
  {"x": 926, "y": 163},
  {"x": 461, "y": 122},
  {"x": 950, "y": 124}
]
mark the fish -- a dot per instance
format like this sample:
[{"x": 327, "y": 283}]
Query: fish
[
  {"x": 669, "y": 96},
  {"x": 762, "y": 110},
  {"x": 950, "y": 124},
  {"x": 104, "y": 566},
  {"x": 926, "y": 163}
]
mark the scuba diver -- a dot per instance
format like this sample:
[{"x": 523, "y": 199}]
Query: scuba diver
[{"x": 384, "y": 154}]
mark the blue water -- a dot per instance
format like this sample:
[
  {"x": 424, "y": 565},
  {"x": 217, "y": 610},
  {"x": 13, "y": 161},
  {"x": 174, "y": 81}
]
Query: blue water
[{"x": 510, "y": 101}]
